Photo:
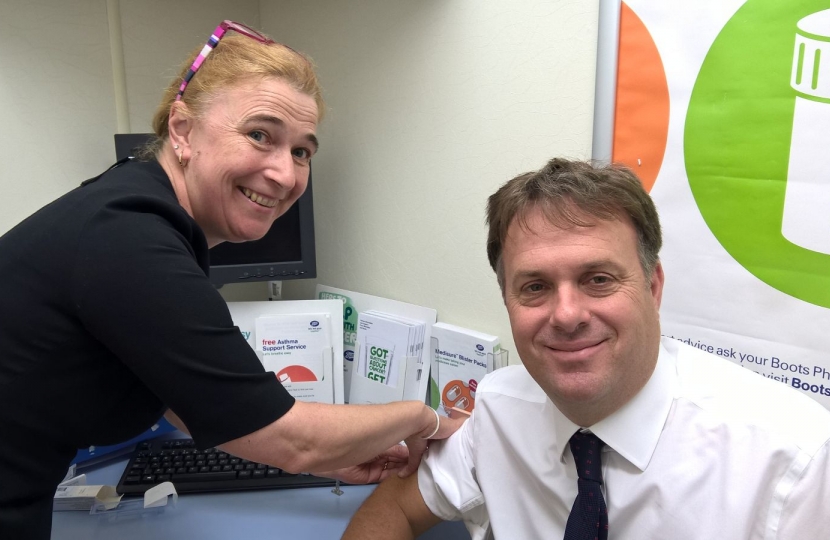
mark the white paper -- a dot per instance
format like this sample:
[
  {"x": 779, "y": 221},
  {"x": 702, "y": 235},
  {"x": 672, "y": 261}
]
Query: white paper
[
  {"x": 157, "y": 495},
  {"x": 82, "y": 497},
  {"x": 292, "y": 345},
  {"x": 385, "y": 344}
]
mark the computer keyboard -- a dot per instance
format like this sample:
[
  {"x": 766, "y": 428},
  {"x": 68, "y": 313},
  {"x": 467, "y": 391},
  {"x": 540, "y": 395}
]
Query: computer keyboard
[{"x": 196, "y": 471}]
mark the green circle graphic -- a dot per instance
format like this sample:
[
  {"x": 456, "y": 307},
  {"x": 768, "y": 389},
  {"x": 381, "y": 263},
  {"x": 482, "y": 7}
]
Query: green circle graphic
[{"x": 737, "y": 143}]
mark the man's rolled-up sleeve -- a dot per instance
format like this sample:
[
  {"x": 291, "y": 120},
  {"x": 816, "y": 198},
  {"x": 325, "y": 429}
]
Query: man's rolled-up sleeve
[{"x": 448, "y": 483}]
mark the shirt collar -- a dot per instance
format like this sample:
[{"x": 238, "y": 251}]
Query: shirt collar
[{"x": 633, "y": 430}]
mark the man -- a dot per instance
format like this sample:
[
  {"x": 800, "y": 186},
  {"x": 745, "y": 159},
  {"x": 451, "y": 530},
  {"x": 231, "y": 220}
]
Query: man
[{"x": 670, "y": 442}]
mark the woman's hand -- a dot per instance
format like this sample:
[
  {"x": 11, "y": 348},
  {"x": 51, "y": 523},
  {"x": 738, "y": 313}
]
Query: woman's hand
[
  {"x": 418, "y": 445},
  {"x": 374, "y": 470}
]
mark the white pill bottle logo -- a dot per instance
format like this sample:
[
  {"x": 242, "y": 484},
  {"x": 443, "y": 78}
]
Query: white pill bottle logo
[{"x": 806, "y": 218}]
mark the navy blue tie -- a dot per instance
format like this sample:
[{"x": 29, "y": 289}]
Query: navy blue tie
[{"x": 589, "y": 516}]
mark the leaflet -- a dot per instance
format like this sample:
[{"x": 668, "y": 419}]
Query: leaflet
[
  {"x": 293, "y": 345},
  {"x": 415, "y": 380},
  {"x": 415, "y": 341},
  {"x": 386, "y": 341},
  {"x": 460, "y": 359}
]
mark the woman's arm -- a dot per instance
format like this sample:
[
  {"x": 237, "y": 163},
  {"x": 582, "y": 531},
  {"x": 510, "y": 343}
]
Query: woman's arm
[{"x": 313, "y": 437}]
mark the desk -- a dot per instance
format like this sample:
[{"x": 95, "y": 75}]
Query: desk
[{"x": 305, "y": 513}]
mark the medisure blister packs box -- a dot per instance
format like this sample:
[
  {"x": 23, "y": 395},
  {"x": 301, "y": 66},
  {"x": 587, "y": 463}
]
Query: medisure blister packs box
[{"x": 460, "y": 359}]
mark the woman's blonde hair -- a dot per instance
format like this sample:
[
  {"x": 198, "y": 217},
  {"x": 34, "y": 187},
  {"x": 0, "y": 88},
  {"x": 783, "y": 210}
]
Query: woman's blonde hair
[{"x": 236, "y": 59}]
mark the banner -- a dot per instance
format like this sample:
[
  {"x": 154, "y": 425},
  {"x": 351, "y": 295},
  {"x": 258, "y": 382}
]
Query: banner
[{"x": 723, "y": 109}]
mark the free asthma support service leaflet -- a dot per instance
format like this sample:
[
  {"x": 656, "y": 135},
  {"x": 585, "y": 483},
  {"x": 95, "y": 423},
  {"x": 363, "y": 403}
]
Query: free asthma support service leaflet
[{"x": 292, "y": 345}]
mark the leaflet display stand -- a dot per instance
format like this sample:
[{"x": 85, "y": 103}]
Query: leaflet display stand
[
  {"x": 416, "y": 375},
  {"x": 330, "y": 388}
]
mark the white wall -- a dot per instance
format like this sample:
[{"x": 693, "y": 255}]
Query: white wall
[
  {"x": 433, "y": 105},
  {"x": 56, "y": 101}
]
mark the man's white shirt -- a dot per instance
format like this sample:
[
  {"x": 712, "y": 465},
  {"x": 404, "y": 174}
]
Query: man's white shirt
[{"x": 707, "y": 449}]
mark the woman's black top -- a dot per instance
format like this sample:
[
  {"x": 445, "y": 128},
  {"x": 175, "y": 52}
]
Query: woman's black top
[{"x": 107, "y": 318}]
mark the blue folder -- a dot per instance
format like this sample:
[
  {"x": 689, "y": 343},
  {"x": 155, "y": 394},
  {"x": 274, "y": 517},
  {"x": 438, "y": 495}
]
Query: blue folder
[{"x": 97, "y": 454}]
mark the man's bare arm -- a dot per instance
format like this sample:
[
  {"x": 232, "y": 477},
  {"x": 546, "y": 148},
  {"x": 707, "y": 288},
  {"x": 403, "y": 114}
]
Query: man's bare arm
[{"x": 396, "y": 510}]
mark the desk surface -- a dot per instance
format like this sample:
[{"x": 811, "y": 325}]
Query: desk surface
[{"x": 281, "y": 513}]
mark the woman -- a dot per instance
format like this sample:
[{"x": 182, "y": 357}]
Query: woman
[{"x": 108, "y": 318}]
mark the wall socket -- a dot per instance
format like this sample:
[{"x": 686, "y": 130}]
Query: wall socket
[{"x": 275, "y": 290}]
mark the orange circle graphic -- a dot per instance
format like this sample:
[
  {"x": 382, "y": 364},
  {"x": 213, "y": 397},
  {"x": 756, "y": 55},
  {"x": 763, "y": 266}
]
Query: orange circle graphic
[{"x": 641, "y": 114}]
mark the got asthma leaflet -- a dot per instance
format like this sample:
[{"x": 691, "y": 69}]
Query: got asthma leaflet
[
  {"x": 411, "y": 382},
  {"x": 386, "y": 341}
]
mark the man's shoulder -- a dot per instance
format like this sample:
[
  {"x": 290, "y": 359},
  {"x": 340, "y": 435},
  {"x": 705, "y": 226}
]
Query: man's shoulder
[
  {"x": 735, "y": 393},
  {"x": 513, "y": 381}
]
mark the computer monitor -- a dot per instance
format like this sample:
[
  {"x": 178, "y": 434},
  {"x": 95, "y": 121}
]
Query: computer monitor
[{"x": 287, "y": 251}]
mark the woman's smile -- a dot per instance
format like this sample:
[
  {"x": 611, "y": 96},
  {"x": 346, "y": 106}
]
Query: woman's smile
[{"x": 258, "y": 198}]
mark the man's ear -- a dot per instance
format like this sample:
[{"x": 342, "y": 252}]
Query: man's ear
[
  {"x": 179, "y": 126},
  {"x": 657, "y": 281}
]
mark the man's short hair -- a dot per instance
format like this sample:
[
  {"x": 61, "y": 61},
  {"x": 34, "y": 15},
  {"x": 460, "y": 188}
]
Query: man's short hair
[{"x": 566, "y": 191}]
